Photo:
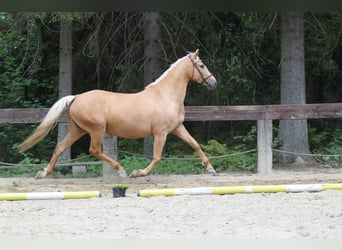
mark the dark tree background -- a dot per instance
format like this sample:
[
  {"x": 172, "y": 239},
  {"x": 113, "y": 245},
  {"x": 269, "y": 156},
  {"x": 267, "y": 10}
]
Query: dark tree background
[{"x": 112, "y": 50}]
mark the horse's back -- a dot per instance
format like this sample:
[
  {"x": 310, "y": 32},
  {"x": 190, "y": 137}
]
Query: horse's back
[
  {"x": 90, "y": 103},
  {"x": 124, "y": 115}
]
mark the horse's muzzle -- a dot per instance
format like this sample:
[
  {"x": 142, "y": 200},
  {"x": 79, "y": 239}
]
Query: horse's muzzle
[{"x": 211, "y": 84}]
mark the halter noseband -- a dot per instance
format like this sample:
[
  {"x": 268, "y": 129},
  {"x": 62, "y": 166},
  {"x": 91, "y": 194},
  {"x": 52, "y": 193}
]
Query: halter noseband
[{"x": 204, "y": 79}]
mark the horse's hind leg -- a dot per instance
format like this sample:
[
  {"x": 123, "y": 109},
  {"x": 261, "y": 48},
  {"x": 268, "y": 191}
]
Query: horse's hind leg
[
  {"x": 95, "y": 149},
  {"x": 74, "y": 133},
  {"x": 183, "y": 134}
]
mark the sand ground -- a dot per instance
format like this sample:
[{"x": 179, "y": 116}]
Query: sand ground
[{"x": 240, "y": 216}]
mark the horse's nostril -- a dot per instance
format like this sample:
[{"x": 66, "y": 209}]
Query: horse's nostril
[{"x": 212, "y": 84}]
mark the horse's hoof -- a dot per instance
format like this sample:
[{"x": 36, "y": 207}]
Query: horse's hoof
[
  {"x": 40, "y": 175},
  {"x": 122, "y": 174},
  {"x": 134, "y": 174},
  {"x": 211, "y": 171}
]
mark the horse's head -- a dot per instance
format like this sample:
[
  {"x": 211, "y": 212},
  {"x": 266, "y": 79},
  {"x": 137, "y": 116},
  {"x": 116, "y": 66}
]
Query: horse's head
[{"x": 200, "y": 72}]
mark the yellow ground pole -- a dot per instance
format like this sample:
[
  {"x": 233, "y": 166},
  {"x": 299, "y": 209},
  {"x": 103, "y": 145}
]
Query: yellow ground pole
[
  {"x": 289, "y": 188},
  {"x": 49, "y": 195}
]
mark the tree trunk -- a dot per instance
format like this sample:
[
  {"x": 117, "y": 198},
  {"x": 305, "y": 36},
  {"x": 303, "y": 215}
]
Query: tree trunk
[
  {"x": 293, "y": 134},
  {"x": 65, "y": 73},
  {"x": 152, "y": 69}
]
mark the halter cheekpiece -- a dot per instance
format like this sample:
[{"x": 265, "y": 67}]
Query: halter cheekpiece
[{"x": 204, "y": 79}]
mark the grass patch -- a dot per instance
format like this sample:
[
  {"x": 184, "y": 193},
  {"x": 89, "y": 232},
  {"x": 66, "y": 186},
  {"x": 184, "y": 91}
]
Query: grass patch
[{"x": 169, "y": 165}]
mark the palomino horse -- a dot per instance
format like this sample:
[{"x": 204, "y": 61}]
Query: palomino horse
[{"x": 157, "y": 110}]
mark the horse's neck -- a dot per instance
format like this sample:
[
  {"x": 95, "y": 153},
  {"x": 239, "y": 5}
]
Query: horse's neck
[{"x": 173, "y": 85}]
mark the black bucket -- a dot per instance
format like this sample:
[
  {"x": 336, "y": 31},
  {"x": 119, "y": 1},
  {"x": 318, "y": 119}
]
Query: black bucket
[{"x": 119, "y": 192}]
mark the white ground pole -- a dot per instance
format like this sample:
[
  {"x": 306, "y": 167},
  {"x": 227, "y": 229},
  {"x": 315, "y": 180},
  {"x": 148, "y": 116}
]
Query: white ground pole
[
  {"x": 290, "y": 188},
  {"x": 49, "y": 195}
]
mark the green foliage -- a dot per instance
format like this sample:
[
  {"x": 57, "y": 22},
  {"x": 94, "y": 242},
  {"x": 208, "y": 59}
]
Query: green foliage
[
  {"x": 19, "y": 172},
  {"x": 327, "y": 144},
  {"x": 29, "y": 171},
  {"x": 120, "y": 185},
  {"x": 59, "y": 171},
  {"x": 126, "y": 145},
  {"x": 235, "y": 158},
  {"x": 13, "y": 134},
  {"x": 27, "y": 73},
  {"x": 215, "y": 148},
  {"x": 166, "y": 166},
  {"x": 241, "y": 49},
  {"x": 176, "y": 162}
]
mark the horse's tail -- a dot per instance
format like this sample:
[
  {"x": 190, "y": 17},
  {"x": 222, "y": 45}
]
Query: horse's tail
[{"x": 47, "y": 124}]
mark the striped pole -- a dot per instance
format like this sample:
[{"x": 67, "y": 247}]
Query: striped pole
[
  {"x": 292, "y": 188},
  {"x": 49, "y": 195}
]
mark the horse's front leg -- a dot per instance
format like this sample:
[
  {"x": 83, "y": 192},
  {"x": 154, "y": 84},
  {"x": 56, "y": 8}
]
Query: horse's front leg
[
  {"x": 158, "y": 144},
  {"x": 183, "y": 134}
]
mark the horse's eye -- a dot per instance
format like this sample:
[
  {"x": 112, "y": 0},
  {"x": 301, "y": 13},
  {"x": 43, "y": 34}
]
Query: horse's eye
[{"x": 202, "y": 66}]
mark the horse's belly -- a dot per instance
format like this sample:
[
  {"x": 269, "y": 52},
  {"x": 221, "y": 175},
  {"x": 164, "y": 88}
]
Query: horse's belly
[
  {"x": 130, "y": 131},
  {"x": 142, "y": 128}
]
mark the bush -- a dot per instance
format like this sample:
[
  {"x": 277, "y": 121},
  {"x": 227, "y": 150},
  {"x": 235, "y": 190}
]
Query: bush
[
  {"x": 234, "y": 160},
  {"x": 179, "y": 163},
  {"x": 328, "y": 144}
]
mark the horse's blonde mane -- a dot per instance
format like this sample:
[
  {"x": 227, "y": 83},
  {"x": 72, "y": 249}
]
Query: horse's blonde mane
[{"x": 164, "y": 74}]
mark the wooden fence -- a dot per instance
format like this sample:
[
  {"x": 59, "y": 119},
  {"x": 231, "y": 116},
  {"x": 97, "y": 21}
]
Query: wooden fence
[{"x": 263, "y": 114}]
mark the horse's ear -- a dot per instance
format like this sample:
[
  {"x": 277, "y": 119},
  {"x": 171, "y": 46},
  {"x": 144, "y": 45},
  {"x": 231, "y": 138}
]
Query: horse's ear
[{"x": 196, "y": 53}]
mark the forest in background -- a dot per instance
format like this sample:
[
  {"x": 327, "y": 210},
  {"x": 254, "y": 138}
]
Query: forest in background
[{"x": 242, "y": 50}]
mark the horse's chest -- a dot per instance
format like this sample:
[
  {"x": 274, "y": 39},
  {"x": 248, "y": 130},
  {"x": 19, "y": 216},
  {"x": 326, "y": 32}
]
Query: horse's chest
[
  {"x": 173, "y": 120},
  {"x": 176, "y": 113}
]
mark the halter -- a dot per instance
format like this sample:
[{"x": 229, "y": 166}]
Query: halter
[{"x": 204, "y": 79}]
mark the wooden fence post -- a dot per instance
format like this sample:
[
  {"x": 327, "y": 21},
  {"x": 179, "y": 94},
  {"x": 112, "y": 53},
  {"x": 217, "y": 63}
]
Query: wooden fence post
[
  {"x": 109, "y": 149},
  {"x": 264, "y": 128}
]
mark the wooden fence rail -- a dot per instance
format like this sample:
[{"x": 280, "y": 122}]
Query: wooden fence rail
[
  {"x": 263, "y": 114},
  {"x": 209, "y": 113}
]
